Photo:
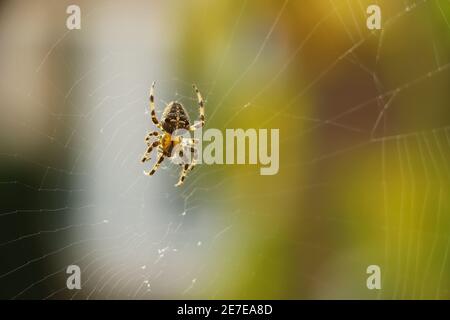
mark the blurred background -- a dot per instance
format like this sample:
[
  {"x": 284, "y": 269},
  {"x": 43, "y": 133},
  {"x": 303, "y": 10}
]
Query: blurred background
[{"x": 364, "y": 150}]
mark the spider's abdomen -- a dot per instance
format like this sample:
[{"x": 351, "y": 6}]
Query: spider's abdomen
[{"x": 175, "y": 117}]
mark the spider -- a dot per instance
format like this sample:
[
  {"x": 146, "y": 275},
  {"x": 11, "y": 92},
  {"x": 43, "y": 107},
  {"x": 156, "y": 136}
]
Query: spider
[{"x": 174, "y": 117}]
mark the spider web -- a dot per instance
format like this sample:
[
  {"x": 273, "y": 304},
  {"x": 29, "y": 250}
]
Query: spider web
[{"x": 364, "y": 174}]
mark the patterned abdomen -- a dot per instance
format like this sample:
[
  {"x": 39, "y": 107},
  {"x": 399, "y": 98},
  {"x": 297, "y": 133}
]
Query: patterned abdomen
[{"x": 175, "y": 117}]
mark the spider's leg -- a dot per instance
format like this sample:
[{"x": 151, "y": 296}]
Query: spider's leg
[
  {"x": 188, "y": 142},
  {"x": 187, "y": 167},
  {"x": 185, "y": 144},
  {"x": 201, "y": 110},
  {"x": 156, "y": 166},
  {"x": 150, "y": 135},
  {"x": 192, "y": 141},
  {"x": 191, "y": 153},
  {"x": 194, "y": 157},
  {"x": 146, "y": 155},
  {"x": 183, "y": 175},
  {"x": 152, "y": 107}
]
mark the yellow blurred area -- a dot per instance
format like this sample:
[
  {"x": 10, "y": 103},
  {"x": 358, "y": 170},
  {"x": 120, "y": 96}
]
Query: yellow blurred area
[{"x": 364, "y": 148}]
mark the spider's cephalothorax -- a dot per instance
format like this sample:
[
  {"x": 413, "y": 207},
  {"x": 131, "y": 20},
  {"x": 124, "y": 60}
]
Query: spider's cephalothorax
[{"x": 174, "y": 117}]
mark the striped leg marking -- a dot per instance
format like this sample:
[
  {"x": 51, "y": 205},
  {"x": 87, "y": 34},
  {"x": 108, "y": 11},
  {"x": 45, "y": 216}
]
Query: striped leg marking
[
  {"x": 156, "y": 166},
  {"x": 150, "y": 135},
  {"x": 201, "y": 104},
  {"x": 152, "y": 106},
  {"x": 188, "y": 167},
  {"x": 146, "y": 155},
  {"x": 183, "y": 175}
]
